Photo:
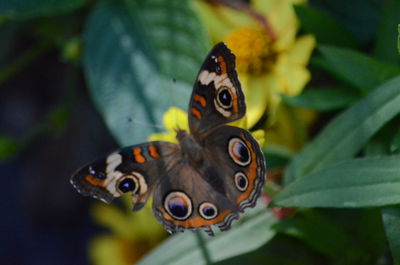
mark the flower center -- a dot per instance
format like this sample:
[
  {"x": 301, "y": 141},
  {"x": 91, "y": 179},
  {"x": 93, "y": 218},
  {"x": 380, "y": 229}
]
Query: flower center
[{"x": 253, "y": 49}]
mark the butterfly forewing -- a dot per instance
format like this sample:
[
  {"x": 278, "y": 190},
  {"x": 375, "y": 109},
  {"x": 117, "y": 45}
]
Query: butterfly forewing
[
  {"x": 217, "y": 97},
  {"x": 132, "y": 169}
]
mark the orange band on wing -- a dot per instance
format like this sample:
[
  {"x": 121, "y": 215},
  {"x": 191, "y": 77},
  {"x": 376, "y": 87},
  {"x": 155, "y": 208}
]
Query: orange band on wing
[
  {"x": 222, "y": 63},
  {"x": 137, "y": 154},
  {"x": 196, "y": 113},
  {"x": 197, "y": 221},
  {"x": 94, "y": 181},
  {"x": 235, "y": 103},
  {"x": 251, "y": 173},
  {"x": 153, "y": 151},
  {"x": 200, "y": 99}
]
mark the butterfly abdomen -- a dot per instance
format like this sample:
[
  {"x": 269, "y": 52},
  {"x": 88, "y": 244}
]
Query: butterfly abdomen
[{"x": 190, "y": 147}]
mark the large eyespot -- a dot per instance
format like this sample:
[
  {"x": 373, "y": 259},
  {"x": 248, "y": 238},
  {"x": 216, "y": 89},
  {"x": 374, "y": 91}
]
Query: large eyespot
[
  {"x": 127, "y": 184},
  {"x": 178, "y": 205},
  {"x": 239, "y": 152},
  {"x": 208, "y": 210},
  {"x": 241, "y": 181},
  {"x": 224, "y": 98}
]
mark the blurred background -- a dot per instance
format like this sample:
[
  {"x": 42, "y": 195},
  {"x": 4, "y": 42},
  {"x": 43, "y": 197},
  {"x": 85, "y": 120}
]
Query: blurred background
[{"x": 79, "y": 78}]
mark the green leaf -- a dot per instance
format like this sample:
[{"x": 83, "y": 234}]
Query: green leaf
[
  {"x": 250, "y": 233},
  {"x": 321, "y": 234},
  {"x": 369, "y": 182},
  {"x": 391, "y": 221},
  {"x": 395, "y": 143},
  {"x": 132, "y": 54},
  {"x": 24, "y": 9},
  {"x": 360, "y": 17},
  {"x": 324, "y": 27},
  {"x": 385, "y": 41},
  {"x": 384, "y": 142},
  {"x": 323, "y": 99},
  {"x": 398, "y": 38},
  {"x": 357, "y": 69},
  {"x": 342, "y": 138}
]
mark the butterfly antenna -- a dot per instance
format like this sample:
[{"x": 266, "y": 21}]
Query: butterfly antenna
[{"x": 146, "y": 124}]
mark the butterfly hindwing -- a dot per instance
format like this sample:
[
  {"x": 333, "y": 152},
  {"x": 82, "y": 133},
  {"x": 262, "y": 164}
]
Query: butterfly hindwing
[
  {"x": 237, "y": 160},
  {"x": 217, "y": 97},
  {"x": 132, "y": 169},
  {"x": 184, "y": 200}
]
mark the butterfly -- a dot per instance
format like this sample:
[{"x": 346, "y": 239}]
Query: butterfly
[{"x": 212, "y": 175}]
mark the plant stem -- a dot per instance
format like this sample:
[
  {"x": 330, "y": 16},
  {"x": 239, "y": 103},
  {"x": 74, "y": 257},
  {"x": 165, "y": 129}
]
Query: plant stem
[{"x": 23, "y": 61}]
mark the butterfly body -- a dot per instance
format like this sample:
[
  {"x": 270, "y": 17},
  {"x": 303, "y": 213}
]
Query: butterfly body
[{"x": 213, "y": 174}]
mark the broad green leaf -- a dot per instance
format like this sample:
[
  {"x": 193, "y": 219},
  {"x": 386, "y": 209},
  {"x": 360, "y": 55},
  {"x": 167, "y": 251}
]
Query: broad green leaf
[
  {"x": 357, "y": 69},
  {"x": 369, "y": 182},
  {"x": 250, "y": 233},
  {"x": 324, "y": 27},
  {"x": 321, "y": 234},
  {"x": 323, "y": 99},
  {"x": 391, "y": 221},
  {"x": 342, "y": 138},
  {"x": 133, "y": 52},
  {"x": 24, "y": 9},
  {"x": 385, "y": 44}
]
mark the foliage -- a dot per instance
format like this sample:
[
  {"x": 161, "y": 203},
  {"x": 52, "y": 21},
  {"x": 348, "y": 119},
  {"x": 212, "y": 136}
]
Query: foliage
[{"x": 340, "y": 193}]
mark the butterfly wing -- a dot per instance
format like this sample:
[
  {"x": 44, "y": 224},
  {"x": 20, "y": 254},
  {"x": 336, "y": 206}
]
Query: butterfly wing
[
  {"x": 184, "y": 200},
  {"x": 228, "y": 180},
  {"x": 217, "y": 97},
  {"x": 238, "y": 163},
  {"x": 132, "y": 169}
]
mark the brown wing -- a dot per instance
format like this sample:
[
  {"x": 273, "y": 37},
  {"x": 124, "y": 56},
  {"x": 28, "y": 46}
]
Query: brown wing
[
  {"x": 184, "y": 200},
  {"x": 134, "y": 169},
  {"x": 238, "y": 163},
  {"x": 217, "y": 97}
]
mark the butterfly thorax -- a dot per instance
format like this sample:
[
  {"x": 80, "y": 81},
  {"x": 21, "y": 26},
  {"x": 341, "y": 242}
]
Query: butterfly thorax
[{"x": 190, "y": 147}]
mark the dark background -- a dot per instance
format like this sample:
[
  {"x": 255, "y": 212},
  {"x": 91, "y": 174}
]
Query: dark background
[{"x": 49, "y": 128}]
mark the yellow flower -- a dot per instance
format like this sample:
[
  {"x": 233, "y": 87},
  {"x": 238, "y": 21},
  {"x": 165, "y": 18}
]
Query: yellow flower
[
  {"x": 268, "y": 63},
  {"x": 132, "y": 234},
  {"x": 175, "y": 118}
]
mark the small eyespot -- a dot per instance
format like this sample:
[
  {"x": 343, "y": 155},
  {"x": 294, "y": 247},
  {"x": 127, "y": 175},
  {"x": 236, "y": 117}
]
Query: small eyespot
[
  {"x": 178, "y": 205},
  {"x": 241, "y": 181},
  {"x": 100, "y": 175},
  {"x": 128, "y": 184},
  {"x": 208, "y": 210},
  {"x": 218, "y": 69},
  {"x": 224, "y": 98},
  {"x": 239, "y": 152}
]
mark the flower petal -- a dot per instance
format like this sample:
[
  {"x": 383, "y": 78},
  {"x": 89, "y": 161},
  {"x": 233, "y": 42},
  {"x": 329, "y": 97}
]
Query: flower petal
[
  {"x": 281, "y": 16},
  {"x": 301, "y": 51},
  {"x": 255, "y": 90},
  {"x": 175, "y": 118},
  {"x": 219, "y": 20}
]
